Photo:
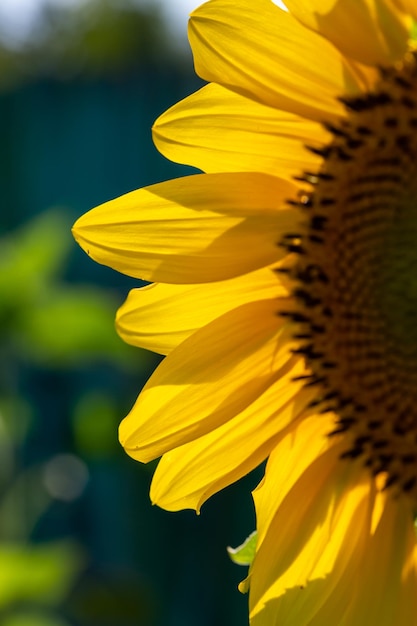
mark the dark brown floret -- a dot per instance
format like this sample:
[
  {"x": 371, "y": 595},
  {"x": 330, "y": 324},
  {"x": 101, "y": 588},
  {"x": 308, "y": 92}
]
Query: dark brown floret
[{"x": 354, "y": 271}]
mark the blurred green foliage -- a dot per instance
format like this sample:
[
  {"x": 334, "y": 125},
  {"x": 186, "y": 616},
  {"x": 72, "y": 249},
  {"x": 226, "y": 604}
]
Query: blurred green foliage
[
  {"x": 96, "y": 38},
  {"x": 95, "y": 438},
  {"x": 81, "y": 542},
  {"x": 32, "y": 618},
  {"x": 67, "y": 533},
  {"x": 49, "y": 322},
  {"x": 43, "y": 318},
  {"x": 40, "y": 574}
]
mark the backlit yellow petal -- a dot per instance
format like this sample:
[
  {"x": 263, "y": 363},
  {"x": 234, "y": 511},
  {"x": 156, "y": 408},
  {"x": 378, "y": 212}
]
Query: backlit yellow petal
[
  {"x": 304, "y": 516},
  {"x": 320, "y": 554},
  {"x": 160, "y": 316},
  {"x": 409, "y": 6},
  {"x": 307, "y": 444},
  {"x": 208, "y": 379},
  {"x": 187, "y": 476},
  {"x": 387, "y": 571},
  {"x": 369, "y": 31},
  {"x": 315, "y": 588},
  {"x": 306, "y": 509},
  {"x": 218, "y": 130},
  {"x": 382, "y": 567},
  {"x": 191, "y": 229},
  {"x": 263, "y": 52},
  {"x": 284, "y": 300}
]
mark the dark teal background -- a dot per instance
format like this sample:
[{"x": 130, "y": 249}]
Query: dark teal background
[{"x": 74, "y": 143}]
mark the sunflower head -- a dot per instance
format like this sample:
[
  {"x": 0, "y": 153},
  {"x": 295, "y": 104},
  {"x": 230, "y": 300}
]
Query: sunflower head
[
  {"x": 354, "y": 276},
  {"x": 284, "y": 299}
]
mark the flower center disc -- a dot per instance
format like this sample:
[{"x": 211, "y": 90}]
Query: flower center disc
[{"x": 356, "y": 277}]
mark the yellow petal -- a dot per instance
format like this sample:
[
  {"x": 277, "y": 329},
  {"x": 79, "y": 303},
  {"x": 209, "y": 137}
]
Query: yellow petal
[
  {"x": 316, "y": 588},
  {"x": 351, "y": 593},
  {"x": 409, "y": 6},
  {"x": 261, "y": 51},
  {"x": 208, "y": 379},
  {"x": 387, "y": 570},
  {"x": 187, "y": 476},
  {"x": 320, "y": 558},
  {"x": 302, "y": 534},
  {"x": 297, "y": 453},
  {"x": 160, "y": 316},
  {"x": 377, "y": 583},
  {"x": 218, "y": 130},
  {"x": 372, "y": 32},
  {"x": 195, "y": 229}
]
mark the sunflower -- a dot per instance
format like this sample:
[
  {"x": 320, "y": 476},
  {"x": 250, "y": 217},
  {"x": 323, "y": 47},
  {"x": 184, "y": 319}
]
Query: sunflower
[{"x": 284, "y": 296}]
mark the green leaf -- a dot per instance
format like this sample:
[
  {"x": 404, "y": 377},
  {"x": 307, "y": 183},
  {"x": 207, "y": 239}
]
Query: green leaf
[{"x": 244, "y": 554}]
